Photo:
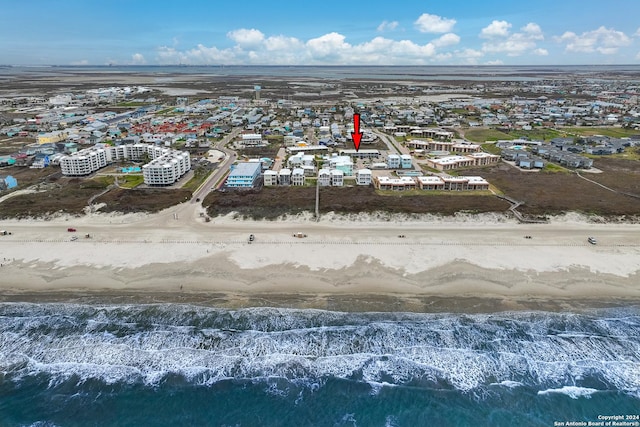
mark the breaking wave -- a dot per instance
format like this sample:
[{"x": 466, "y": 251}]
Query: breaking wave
[{"x": 149, "y": 344}]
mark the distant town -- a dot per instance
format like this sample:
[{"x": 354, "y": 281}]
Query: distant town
[{"x": 432, "y": 137}]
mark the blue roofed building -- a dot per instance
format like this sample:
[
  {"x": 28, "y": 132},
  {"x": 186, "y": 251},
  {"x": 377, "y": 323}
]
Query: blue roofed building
[{"x": 244, "y": 175}]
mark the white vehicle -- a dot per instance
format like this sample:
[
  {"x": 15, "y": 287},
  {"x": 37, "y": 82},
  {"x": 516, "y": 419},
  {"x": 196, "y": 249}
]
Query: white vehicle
[
  {"x": 592, "y": 240},
  {"x": 73, "y": 238}
]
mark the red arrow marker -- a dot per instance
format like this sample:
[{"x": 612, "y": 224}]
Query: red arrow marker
[{"x": 356, "y": 135}]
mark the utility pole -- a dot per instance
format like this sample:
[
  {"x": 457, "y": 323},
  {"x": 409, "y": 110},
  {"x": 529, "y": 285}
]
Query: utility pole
[{"x": 317, "y": 200}]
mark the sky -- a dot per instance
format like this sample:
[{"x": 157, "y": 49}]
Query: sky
[{"x": 327, "y": 32}]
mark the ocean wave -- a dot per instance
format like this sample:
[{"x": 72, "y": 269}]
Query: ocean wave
[
  {"x": 204, "y": 346},
  {"x": 571, "y": 391}
]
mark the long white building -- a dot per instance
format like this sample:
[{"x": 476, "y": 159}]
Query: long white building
[
  {"x": 165, "y": 168},
  {"x": 84, "y": 162}
]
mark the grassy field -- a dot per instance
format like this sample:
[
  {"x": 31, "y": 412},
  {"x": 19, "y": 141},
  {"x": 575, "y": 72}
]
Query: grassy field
[
  {"x": 490, "y": 147},
  {"x": 614, "y": 132},
  {"x": 553, "y": 193},
  {"x": 199, "y": 176},
  {"x": 130, "y": 181},
  {"x": 484, "y": 135},
  {"x": 537, "y": 134}
]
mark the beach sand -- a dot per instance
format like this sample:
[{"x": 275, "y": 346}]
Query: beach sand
[{"x": 356, "y": 263}]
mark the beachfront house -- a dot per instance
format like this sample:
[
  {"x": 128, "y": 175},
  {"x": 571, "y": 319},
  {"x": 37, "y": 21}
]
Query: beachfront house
[
  {"x": 337, "y": 178},
  {"x": 297, "y": 177},
  {"x": 363, "y": 177},
  {"x": 270, "y": 178},
  {"x": 244, "y": 175},
  {"x": 284, "y": 176},
  {"x": 324, "y": 177}
]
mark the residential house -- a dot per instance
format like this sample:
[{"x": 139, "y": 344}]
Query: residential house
[
  {"x": 297, "y": 177},
  {"x": 363, "y": 177}
]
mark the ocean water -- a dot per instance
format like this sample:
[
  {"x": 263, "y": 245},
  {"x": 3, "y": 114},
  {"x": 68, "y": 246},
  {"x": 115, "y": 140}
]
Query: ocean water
[{"x": 186, "y": 365}]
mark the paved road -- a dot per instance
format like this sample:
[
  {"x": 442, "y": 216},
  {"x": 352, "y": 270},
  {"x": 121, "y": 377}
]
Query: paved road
[{"x": 229, "y": 158}]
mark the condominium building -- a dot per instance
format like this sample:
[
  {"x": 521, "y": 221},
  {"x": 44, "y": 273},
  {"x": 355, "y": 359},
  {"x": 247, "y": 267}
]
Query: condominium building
[
  {"x": 84, "y": 162},
  {"x": 166, "y": 169},
  {"x": 398, "y": 184},
  {"x": 453, "y": 162},
  {"x": 244, "y": 175}
]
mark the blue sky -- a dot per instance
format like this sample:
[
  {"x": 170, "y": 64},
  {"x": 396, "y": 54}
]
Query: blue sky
[{"x": 449, "y": 32}]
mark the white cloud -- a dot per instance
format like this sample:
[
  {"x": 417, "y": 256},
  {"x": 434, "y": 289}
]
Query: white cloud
[
  {"x": 448, "y": 39},
  {"x": 246, "y": 38},
  {"x": 138, "y": 59},
  {"x": 637, "y": 33},
  {"x": 606, "y": 41},
  {"x": 427, "y": 23},
  {"x": 500, "y": 40},
  {"x": 80, "y": 62},
  {"x": 282, "y": 43},
  {"x": 494, "y": 62},
  {"x": 541, "y": 52},
  {"x": 533, "y": 30},
  {"x": 328, "y": 46},
  {"x": 495, "y": 29},
  {"x": 254, "y": 47},
  {"x": 387, "y": 26}
]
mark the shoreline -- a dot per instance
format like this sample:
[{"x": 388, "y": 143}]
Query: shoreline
[{"x": 346, "y": 303}]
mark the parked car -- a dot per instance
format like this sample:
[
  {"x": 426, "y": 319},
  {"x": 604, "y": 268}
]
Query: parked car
[
  {"x": 71, "y": 230},
  {"x": 592, "y": 240}
]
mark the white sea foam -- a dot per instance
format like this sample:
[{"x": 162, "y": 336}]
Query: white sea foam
[
  {"x": 571, "y": 391},
  {"x": 206, "y": 346}
]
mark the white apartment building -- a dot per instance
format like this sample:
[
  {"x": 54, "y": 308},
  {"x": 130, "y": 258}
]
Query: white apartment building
[
  {"x": 363, "y": 177},
  {"x": 251, "y": 139},
  {"x": 84, "y": 162},
  {"x": 166, "y": 169}
]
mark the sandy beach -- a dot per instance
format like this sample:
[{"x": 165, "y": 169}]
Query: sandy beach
[{"x": 362, "y": 257}]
